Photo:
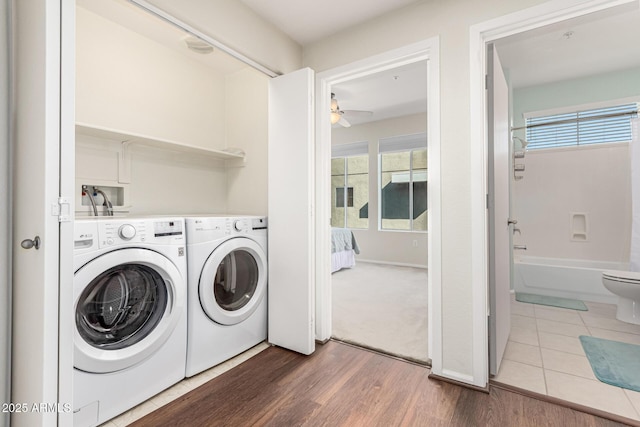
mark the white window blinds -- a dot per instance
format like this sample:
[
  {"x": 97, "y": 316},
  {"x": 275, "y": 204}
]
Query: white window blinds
[{"x": 611, "y": 124}]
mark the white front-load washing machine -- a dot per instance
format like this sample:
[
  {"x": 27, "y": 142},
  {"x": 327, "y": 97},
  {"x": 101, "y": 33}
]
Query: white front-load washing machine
[
  {"x": 130, "y": 300},
  {"x": 227, "y": 269}
]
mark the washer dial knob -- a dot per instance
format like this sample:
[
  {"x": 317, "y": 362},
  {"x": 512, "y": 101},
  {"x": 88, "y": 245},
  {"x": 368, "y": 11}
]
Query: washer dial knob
[
  {"x": 127, "y": 231},
  {"x": 237, "y": 225}
]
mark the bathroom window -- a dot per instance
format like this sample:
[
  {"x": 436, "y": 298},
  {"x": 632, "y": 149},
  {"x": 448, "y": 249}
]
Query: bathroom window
[
  {"x": 350, "y": 185},
  {"x": 403, "y": 183},
  {"x": 584, "y": 127}
]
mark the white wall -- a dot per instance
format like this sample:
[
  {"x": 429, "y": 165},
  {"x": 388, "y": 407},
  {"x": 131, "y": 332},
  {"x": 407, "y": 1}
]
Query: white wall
[
  {"x": 598, "y": 88},
  {"x": 450, "y": 21},
  {"x": 557, "y": 182},
  {"x": 594, "y": 180},
  {"x": 395, "y": 247},
  {"x": 128, "y": 83},
  {"x": 246, "y": 107},
  {"x": 132, "y": 84}
]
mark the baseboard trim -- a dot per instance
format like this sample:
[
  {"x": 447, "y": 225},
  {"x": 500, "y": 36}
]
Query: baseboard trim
[
  {"x": 460, "y": 383},
  {"x": 399, "y": 264},
  {"x": 571, "y": 405}
]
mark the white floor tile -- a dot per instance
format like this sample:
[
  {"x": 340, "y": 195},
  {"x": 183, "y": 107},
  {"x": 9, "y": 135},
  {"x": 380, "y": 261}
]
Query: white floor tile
[
  {"x": 566, "y": 316},
  {"x": 561, "y": 328},
  {"x": 135, "y": 414},
  {"x": 598, "y": 309},
  {"x": 171, "y": 394},
  {"x": 592, "y": 393},
  {"x": 615, "y": 336},
  {"x": 612, "y": 325},
  {"x": 561, "y": 343},
  {"x": 567, "y": 363},
  {"x": 523, "y": 353},
  {"x": 523, "y": 322},
  {"x": 523, "y": 336},
  {"x": 521, "y": 375},
  {"x": 522, "y": 309},
  {"x": 634, "y": 397}
]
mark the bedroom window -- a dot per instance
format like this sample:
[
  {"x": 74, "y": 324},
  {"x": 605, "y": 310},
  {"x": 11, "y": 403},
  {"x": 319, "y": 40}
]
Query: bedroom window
[
  {"x": 340, "y": 197},
  {"x": 585, "y": 127},
  {"x": 403, "y": 183},
  {"x": 350, "y": 186}
]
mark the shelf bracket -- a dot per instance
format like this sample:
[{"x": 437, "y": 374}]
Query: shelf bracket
[{"x": 124, "y": 163}]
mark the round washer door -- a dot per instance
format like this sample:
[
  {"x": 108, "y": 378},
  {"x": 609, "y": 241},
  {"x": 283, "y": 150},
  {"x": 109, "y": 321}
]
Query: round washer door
[
  {"x": 233, "y": 281},
  {"x": 127, "y": 303}
]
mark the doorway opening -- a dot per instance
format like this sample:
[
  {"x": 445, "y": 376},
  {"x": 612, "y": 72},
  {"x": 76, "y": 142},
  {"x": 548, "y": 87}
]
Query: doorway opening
[
  {"x": 551, "y": 186},
  {"x": 380, "y": 166}
]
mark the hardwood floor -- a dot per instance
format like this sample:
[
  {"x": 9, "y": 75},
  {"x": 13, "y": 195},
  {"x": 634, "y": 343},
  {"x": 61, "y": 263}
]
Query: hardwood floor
[{"x": 340, "y": 385}]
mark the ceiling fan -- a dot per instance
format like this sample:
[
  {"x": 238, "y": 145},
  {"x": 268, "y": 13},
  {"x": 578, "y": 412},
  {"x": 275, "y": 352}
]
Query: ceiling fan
[{"x": 337, "y": 115}]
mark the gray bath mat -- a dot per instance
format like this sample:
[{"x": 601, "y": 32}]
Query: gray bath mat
[
  {"x": 613, "y": 362},
  {"x": 572, "y": 304}
]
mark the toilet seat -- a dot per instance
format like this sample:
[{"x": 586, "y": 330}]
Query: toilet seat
[{"x": 631, "y": 277}]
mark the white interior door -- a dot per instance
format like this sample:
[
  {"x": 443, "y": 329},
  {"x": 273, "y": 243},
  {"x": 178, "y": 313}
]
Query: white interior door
[
  {"x": 5, "y": 224},
  {"x": 291, "y": 284},
  {"x": 499, "y": 227},
  {"x": 38, "y": 133}
]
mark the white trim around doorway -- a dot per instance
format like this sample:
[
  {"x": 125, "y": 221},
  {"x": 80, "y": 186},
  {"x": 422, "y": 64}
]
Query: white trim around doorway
[
  {"x": 480, "y": 34},
  {"x": 424, "y": 50}
]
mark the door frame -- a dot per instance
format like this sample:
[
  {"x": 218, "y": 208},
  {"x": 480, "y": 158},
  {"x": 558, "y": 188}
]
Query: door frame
[
  {"x": 479, "y": 36},
  {"x": 429, "y": 50}
]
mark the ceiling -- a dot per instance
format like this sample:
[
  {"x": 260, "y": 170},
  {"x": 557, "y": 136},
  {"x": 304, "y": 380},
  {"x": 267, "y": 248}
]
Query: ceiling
[
  {"x": 307, "y": 21},
  {"x": 392, "y": 93},
  {"x": 593, "y": 44}
]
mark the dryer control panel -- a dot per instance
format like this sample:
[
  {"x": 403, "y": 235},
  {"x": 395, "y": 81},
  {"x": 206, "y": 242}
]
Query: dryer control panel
[{"x": 205, "y": 229}]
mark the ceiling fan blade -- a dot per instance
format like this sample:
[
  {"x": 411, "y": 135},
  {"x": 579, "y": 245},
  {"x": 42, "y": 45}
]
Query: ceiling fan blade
[
  {"x": 343, "y": 122},
  {"x": 357, "y": 113}
]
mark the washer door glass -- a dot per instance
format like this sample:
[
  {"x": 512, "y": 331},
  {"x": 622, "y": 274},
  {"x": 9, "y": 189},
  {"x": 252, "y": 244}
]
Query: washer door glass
[
  {"x": 128, "y": 302},
  {"x": 236, "y": 280},
  {"x": 121, "y": 306},
  {"x": 233, "y": 281}
]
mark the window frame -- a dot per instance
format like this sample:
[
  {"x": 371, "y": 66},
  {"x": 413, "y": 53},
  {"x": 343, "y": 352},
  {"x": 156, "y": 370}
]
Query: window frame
[
  {"x": 575, "y": 109},
  {"x": 344, "y": 152},
  {"x": 401, "y": 144}
]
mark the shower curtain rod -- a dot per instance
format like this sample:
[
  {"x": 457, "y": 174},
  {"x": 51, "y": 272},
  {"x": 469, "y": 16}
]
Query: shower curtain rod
[
  {"x": 194, "y": 32},
  {"x": 578, "y": 120}
]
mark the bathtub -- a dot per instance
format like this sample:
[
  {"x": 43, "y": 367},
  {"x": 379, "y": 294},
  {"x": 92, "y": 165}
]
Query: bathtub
[{"x": 566, "y": 278}]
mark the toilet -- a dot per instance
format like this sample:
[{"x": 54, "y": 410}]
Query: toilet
[{"x": 626, "y": 285}]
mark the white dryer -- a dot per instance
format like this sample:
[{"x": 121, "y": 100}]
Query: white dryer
[
  {"x": 130, "y": 300},
  {"x": 227, "y": 269}
]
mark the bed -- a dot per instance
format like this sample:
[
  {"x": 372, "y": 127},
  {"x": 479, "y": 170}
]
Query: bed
[{"x": 343, "y": 249}]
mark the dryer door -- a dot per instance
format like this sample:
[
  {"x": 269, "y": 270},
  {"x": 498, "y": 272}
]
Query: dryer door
[
  {"x": 127, "y": 303},
  {"x": 233, "y": 281}
]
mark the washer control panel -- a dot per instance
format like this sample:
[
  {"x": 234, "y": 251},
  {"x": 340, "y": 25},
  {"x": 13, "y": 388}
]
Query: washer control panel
[{"x": 127, "y": 231}]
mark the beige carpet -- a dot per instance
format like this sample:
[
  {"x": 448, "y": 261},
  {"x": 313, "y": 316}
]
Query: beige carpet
[{"x": 382, "y": 307}]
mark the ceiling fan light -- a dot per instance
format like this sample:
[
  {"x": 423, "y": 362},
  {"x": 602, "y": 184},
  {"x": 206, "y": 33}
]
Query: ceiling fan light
[{"x": 335, "y": 118}]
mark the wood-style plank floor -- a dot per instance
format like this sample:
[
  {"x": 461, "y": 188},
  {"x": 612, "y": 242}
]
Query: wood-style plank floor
[{"x": 340, "y": 385}]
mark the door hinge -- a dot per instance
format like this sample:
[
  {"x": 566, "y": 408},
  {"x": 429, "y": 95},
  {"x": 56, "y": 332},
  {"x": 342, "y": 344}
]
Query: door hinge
[
  {"x": 62, "y": 209},
  {"x": 486, "y": 82}
]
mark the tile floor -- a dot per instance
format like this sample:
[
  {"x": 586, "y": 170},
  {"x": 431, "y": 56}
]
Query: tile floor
[
  {"x": 181, "y": 388},
  {"x": 544, "y": 355}
]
